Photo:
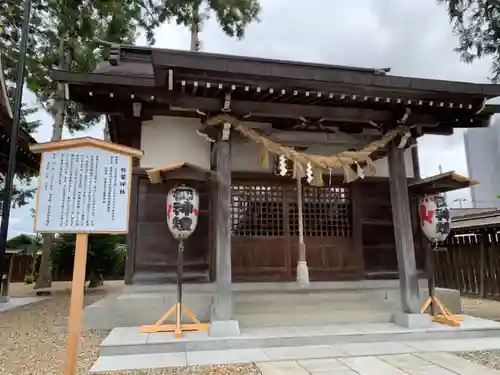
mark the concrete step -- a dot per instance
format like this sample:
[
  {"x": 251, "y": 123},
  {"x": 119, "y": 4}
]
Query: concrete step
[
  {"x": 293, "y": 319},
  {"x": 302, "y": 297},
  {"x": 125, "y": 341},
  {"x": 313, "y": 307}
]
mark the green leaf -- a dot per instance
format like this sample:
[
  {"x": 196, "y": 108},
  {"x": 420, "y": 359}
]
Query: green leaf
[{"x": 477, "y": 25}]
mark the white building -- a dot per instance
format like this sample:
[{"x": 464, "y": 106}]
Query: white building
[{"x": 482, "y": 150}]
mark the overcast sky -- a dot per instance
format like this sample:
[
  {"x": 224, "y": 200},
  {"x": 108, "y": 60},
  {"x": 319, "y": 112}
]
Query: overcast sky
[{"x": 412, "y": 37}]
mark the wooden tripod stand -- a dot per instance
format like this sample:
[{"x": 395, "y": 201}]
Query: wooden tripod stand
[
  {"x": 178, "y": 308},
  {"x": 444, "y": 316}
]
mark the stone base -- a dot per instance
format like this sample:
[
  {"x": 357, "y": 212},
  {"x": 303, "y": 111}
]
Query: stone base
[
  {"x": 224, "y": 328},
  {"x": 260, "y": 304},
  {"x": 412, "y": 321},
  {"x": 132, "y": 310}
]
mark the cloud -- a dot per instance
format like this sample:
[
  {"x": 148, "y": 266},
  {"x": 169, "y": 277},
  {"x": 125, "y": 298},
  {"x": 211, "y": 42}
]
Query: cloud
[{"x": 414, "y": 38}]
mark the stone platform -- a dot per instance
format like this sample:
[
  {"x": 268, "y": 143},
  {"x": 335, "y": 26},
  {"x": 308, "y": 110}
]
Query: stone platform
[
  {"x": 129, "y": 340},
  {"x": 264, "y": 304},
  {"x": 309, "y": 350}
]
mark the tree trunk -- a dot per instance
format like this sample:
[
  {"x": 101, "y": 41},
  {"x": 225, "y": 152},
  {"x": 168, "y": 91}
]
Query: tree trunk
[
  {"x": 44, "y": 279},
  {"x": 195, "y": 29},
  {"x": 106, "y": 135},
  {"x": 96, "y": 279},
  {"x": 32, "y": 266}
]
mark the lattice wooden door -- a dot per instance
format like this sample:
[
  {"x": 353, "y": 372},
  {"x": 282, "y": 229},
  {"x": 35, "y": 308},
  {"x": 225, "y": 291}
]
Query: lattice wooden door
[
  {"x": 265, "y": 231},
  {"x": 327, "y": 232},
  {"x": 260, "y": 243}
]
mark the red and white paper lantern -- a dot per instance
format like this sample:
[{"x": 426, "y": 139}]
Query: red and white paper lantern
[
  {"x": 435, "y": 217},
  {"x": 182, "y": 211}
]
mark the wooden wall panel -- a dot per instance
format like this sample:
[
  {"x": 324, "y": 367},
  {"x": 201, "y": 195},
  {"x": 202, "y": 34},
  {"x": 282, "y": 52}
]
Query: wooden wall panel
[{"x": 155, "y": 248}]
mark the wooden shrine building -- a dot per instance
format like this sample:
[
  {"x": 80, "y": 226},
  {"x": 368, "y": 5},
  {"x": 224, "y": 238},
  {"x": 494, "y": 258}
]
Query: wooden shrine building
[{"x": 210, "y": 116}]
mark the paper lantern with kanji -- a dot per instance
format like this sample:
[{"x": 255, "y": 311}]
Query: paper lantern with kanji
[
  {"x": 182, "y": 211},
  {"x": 435, "y": 217}
]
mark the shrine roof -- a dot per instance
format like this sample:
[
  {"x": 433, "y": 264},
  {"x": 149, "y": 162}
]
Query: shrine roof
[
  {"x": 189, "y": 84},
  {"x": 84, "y": 142},
  {"x": 133, "y": 61},
  {"x": 457, "y": 213},
  {"x": 441, "y": 183},
  {"x": 157, "y": 175},
  {"x": 476, "y": 222}
]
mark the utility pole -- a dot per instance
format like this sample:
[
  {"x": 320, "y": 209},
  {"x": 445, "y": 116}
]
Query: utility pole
[
  {"x": 460, "y": 201},
  {"x": 440, "y": 167},
  {"x": 14, "y": 134}
]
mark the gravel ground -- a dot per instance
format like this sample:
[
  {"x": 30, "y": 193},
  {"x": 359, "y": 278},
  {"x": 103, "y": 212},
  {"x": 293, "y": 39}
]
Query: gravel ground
[
  {"x": 481, "y": 308},
  {"x": 488, "y": 358},
  {"x": 486, "y": 309},
  {"x": 32, "y": 337},
  {"x": 33, "y": 340}
]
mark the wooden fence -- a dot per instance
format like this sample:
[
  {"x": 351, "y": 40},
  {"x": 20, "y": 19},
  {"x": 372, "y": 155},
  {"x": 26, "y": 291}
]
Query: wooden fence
[
  {"x": 20, "y": 267},
  {"x": 470, "y": 262}
]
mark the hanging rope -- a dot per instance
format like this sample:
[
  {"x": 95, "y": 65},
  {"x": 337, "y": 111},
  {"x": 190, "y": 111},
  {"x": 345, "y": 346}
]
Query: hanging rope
[{"x": 319, "y": 163}]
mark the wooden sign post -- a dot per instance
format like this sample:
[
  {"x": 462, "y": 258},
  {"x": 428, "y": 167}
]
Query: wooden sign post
[{"x": 83, "y": 188}]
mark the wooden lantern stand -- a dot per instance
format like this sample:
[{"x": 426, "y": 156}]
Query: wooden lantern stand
[
  {"x": 178, "y": 171},
  {"x": 444, "y": 316},
  {"x": 179, "y": 308}
]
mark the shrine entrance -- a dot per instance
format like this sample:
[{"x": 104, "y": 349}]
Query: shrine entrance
[{"x": 265, "y": 230}]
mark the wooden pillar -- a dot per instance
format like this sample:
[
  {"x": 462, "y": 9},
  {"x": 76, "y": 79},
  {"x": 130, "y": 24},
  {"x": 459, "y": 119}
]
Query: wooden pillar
[
  {"x": 482, "y": 269},
  {"x": 132, "y": 232},
  {"x": 357, "y": 228},
  {"x": 302, "y": 270},
  {"x": 222, "y": 306},
  {"x": 408, "y": 277}
]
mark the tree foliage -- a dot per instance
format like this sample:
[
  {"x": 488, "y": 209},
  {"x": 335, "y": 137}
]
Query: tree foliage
[
  {"x": 233, "y": 16},
  {"x": 62, "y": 35},
  {"x": 477, "y": 24},
  {"x": 104, "y": 254},
  {"x": 22, "y": 191},
  {"x": 20, "y": 242}
]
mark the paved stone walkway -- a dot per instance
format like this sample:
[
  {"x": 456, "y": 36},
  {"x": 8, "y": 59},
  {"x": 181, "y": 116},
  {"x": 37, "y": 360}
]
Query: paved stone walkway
[
  {"x": 398, "y": 364},
  {"x": 18, "y": 302},
  {"x": 424, "y": 357}
]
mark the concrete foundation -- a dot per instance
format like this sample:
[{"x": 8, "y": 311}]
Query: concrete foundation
[
  {"x": 265, "y": 304},
  {"x": 224, "y": 328},
  {"x": 412, "y": 321}
]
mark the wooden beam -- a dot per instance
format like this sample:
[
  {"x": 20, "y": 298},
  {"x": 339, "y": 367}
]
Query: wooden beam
[
  {"x": 256, "y": 109},
  {"x": 403, "y": 234},
  {"x": 96, "y": 78},
  {"x": 340, "y": 114}
]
